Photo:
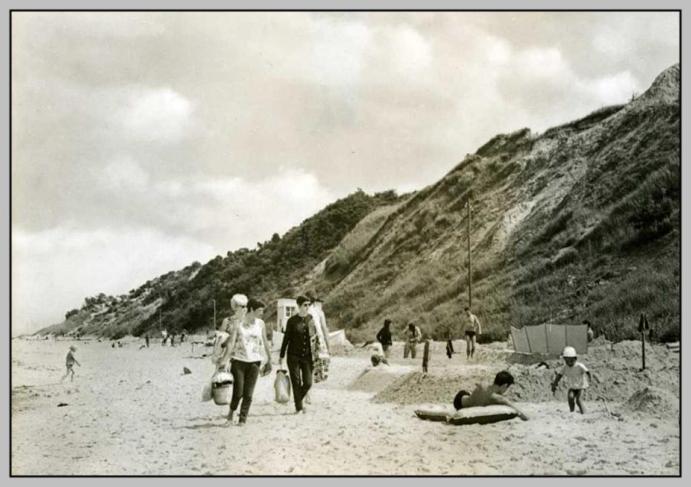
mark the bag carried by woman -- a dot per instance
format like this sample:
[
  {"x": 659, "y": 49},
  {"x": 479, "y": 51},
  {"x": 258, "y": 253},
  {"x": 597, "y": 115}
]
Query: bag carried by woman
[{"x": 282, "y": 386}]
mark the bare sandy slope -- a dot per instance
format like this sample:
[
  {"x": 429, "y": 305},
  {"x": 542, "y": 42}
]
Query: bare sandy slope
[{"x": 132, "y": 411}]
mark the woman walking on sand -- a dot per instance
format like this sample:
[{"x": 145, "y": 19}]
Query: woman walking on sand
[
  {"x": 322, "y": 357},
  {"x": 247, "y": 344},
  {"x": 297, "y": 344},
  {"x": 221, "y": 354}
]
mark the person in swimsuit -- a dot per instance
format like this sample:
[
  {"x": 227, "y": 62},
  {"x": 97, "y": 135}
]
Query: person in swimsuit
[
  {"x": 69, "y": 363},
  {"x": 489, "y": 395},
  {"x": 472, "y": 328}
]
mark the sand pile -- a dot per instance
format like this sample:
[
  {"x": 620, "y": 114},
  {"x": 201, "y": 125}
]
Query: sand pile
[
  {"x": 615, "y": 371},
  {"x": 653, "y": 401},
  {"x": 377, "y": 378}
]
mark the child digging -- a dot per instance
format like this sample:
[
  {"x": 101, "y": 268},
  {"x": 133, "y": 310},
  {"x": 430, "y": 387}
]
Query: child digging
[
  {"x": 69, "y": 364},
  {"x": 577, "y": 379}
]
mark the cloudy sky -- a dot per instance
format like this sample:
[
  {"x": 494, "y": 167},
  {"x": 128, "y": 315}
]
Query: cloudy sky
[{"x": 145, "y": 141}]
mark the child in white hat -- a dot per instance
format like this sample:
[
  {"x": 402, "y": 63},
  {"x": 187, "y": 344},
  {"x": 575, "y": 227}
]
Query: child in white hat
[{"x": 577, "y": 378}]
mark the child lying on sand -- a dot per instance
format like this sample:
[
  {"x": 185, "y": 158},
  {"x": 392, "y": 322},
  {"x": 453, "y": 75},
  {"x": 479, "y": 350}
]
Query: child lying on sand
[{"x": 488, "y": 395}]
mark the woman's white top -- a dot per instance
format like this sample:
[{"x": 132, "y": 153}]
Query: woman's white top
[
  {"x": 249, "y": 342},
  {"x": 319, "y": 319}
]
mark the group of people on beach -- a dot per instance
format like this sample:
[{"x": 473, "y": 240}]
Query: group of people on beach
[
  {"x": 242, "y": 345},
  {"x": 469, "y": 327}
]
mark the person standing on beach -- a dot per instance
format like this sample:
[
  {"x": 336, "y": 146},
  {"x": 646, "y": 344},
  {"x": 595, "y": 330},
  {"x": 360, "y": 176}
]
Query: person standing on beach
[
  {"x": 384, "y": 337},
  {"x": 577, "y": 379},
  {"x": 221, "y": 354},
  {"x": 322, "y": 356},
  {"x": 146, "y": 340},
  {"x": 297, "y": 343},
  {"x": 413, "y": 335},
  {"x": 70, "y": 360},
  {"x": 471, "y": 329},
  {"x": 247, "y": 343}
]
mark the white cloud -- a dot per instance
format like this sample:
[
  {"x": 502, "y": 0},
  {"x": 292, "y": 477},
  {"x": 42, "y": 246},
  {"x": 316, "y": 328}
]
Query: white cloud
[
  {"x": 55, "y": 269},
  {"x": 542, "y": 63},
  {"x": 338, "y": 50},
  {"x": 616, "y": 88},
  {"x": 410, "y": 51},
  {"x": 237, "y": 212},
  {"x": 159, "y": 114},
  {"x": 125, "y": 173}
]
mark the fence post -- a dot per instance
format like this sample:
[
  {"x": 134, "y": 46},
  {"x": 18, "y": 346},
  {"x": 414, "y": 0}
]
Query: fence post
[{"x": 643, "y": 326}]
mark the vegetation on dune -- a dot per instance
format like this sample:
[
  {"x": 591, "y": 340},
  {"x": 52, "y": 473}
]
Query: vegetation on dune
[{"x": 581, "y": 222}]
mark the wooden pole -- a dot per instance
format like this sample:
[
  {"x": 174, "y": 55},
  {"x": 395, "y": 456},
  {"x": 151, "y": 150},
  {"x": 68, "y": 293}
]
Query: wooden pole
[
  {"x": 470, "y": 292},
  {"x": 214, "y": 301},
  {"x": 642, "y": 326},
  {"x": 643, "y": 350}
]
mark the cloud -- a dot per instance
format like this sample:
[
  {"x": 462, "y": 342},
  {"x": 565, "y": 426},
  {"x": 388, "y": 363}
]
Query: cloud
[
  {"x": 124, "y": 173},
  {"x": 337, "y": 52},
  {"x": 234, "y": 212},
  {"x": 159, "y": 114},
  {"x": 277, "y": 114},
  {"x": 56, "y": 268},
  {"x": 412, "y": 53},
  {"x": 178, "y": 222}
]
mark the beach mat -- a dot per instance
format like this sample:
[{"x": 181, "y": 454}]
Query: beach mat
[
  {"x": 475, "y": 415},
  {"x": 434, "y": 412},
  {"x": 482, "y": 415}
]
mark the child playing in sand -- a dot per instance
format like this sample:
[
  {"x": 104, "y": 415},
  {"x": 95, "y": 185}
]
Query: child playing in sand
[
  {"x": 69, "y": 363},
  {"x": 488, "y": 395},
  {"x": 577, "y": 378}
]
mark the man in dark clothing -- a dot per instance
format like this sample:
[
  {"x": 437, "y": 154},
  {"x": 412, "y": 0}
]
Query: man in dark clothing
[
  {"x": 300, "y": 329},
  {"x": 384, "y": 337}
]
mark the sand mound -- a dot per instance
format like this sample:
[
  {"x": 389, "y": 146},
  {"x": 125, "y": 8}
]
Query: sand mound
[
  {"x": 615, "y": 371},
  {"x": 653, "y": 401},
  {"x": 378, "y": 378}
]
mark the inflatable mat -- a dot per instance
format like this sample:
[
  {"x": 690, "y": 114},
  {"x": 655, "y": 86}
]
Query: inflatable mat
[
  {"x": 434, "y": 413},
  {"x": 476, "y": 415},
  {"x": 482, "y": 415}
]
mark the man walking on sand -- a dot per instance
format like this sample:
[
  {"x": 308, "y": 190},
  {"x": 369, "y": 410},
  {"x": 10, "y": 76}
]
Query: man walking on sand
[
  {"x": 300, "y": 330},
  {"x": 471, "y": 329}
]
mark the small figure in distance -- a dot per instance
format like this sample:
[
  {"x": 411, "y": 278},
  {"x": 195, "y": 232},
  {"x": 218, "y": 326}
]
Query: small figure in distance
[{"x": 70, "y": 360}]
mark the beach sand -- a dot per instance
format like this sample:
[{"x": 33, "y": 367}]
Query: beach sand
[{"x": 132, "y": 411}]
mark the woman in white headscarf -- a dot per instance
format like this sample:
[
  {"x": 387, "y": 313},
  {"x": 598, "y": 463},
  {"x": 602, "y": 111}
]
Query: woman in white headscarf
[{"x": 221, "y": 355}]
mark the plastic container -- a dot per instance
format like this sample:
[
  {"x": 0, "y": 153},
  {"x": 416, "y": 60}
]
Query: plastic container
[{"x": 222, "y": 388}]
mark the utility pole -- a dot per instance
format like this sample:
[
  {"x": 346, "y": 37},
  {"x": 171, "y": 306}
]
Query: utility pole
[
  {"x": 214, "y": 301},
  {"x": 470, "y": 292}
]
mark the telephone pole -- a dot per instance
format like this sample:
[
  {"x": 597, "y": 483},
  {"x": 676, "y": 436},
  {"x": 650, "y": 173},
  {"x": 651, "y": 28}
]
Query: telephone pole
[
  {"x": 470, "y": 291},
  {"x": 214, "y": 301}
]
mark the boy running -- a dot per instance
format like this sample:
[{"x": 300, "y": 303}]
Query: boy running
[{"x": 577, "y": 378}]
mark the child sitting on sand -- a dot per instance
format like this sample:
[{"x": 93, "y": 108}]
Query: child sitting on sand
[
  {"x": 577, "y": 378},
  {"x": 69, "y": 363},
  {"x": 488, "y": 395}
]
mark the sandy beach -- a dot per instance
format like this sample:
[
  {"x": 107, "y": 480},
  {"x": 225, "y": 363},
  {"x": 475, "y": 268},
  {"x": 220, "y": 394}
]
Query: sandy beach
[{"x": 132, "y": 411}]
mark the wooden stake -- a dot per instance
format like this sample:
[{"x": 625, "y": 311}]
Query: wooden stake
[{"x": 470, "y": 292}]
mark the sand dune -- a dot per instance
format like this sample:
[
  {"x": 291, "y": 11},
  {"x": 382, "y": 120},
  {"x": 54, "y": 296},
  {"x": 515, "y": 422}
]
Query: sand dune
[{"x": 132, "y": 411}]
